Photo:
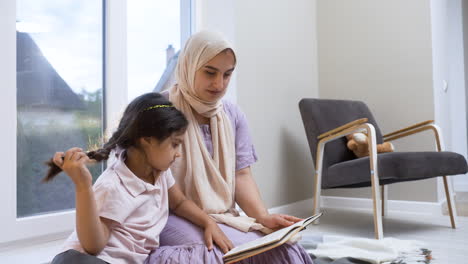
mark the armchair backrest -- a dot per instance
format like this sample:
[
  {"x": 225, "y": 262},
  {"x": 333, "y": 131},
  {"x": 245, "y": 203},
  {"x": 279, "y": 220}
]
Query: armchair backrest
[{"x": 322, "y": 115}]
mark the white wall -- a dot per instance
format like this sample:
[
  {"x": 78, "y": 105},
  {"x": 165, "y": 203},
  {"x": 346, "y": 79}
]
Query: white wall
[
  {"x": 276, "y": 48},
  {"x": 8, "y": 131},
  {"x": 377, "y": 51},
  {"x": 380, "y": 52},
  {"x": 465, "y": 49},
  {"x": 218, "y": 15},
  {"x": 448, "y": 67}
]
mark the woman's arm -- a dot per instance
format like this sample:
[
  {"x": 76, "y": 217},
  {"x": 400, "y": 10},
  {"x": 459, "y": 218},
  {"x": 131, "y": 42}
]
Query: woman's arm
[
  {"x": 187, "y": 209},
  {"x": 248, "y": 198},
  {"x": 92, "y": 231}
]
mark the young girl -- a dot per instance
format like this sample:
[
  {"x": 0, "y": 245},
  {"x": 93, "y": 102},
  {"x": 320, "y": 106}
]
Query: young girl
[{"x": 119, "y": 219}]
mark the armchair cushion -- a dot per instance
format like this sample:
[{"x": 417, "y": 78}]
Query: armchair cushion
[{"x": 394, "y": 167}]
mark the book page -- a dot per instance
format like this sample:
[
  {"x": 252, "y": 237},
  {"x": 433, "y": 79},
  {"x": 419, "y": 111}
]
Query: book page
[{"x": 271, "y": 238}]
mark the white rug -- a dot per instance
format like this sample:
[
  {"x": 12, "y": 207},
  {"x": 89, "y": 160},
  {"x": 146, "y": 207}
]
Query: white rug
[{"x": 385, "y": 251}]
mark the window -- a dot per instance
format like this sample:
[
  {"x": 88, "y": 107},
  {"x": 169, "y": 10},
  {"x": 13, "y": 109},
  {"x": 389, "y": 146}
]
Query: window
[
  {"x": 154, "y": 40},
  {"x": 59, "y": 81},
  {"x": 53, "y": 94}
]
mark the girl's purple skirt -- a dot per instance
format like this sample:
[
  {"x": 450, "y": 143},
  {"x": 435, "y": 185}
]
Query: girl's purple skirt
[{"x": 182, "y": 242}]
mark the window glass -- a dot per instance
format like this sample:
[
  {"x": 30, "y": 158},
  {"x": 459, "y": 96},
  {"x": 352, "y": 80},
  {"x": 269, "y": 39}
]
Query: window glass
[
  {"x": 154, "y": 34},
  {"x": 59, "y": 95}
]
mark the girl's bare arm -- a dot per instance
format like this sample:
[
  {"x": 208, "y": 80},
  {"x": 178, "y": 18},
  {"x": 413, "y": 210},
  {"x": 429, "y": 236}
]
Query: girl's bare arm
[{"x": 93, "y": 231}]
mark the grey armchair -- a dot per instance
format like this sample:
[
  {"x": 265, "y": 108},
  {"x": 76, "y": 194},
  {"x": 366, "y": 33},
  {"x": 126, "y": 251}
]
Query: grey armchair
[{"x": 327, "y": 122}]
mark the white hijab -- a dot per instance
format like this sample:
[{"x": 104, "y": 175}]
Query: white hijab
[{"x": 206, "y": 180}]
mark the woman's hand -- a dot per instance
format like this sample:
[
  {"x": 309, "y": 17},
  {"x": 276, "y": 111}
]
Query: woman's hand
[
  {"x": 73, "y": 163},
  {"x": 214, "y": 234},
  {"x": 277, "y": 221}
]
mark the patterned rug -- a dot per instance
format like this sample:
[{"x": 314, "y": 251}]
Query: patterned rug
[
  {"x": 424, "y": 255},
  {"x": 346, "y": 250}
]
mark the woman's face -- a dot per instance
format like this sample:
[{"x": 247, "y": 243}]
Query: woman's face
[{"x": 212, "y": 79}]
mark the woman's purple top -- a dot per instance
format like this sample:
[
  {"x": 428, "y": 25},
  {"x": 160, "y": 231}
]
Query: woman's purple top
[
  {"x": 183, "y": 242},
  {"x": 245, "y": 151}
]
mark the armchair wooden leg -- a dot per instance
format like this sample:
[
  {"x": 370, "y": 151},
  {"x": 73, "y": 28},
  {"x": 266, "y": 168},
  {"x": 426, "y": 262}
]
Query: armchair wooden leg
[
  {"x": 317, "y": 201},
  {"x": 374, "y": 173},
  {"x": 450, "y": 202},
  {"x": 384, "y": 199},
  {"x": 378, "y": 229},
  {"x": 318, "y": 180},
  {"x": 447, "y": 184}
]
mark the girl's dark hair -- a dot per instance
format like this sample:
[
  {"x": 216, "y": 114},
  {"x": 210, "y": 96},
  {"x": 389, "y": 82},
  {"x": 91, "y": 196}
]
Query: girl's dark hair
[{"x": 149, "y": 115}]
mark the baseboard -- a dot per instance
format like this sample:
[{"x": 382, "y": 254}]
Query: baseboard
[
  {"x": 432, "y": 208},
  {"x": 293, "y": 208},
  {"x": 460, "y": 187}
]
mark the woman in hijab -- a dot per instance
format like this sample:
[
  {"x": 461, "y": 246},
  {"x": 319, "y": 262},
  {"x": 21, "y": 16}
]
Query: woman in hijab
[{"x": 214, "y": 169}]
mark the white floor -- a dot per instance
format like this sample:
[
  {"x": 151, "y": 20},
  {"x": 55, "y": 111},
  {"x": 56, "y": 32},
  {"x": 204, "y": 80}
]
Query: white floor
[
  {"x": 38, "y": 254},
  {"x": 449, "y": 246}
]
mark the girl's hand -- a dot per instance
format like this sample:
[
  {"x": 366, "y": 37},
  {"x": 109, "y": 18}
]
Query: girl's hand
[
  {"x": 214, "y": 233},
  {"x": 73, "y": 163},
  {"x": 277, "y": 221}
]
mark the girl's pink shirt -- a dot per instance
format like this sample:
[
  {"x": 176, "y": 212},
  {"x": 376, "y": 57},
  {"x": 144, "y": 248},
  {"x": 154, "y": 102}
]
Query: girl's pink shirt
[{"x": 138, "y": 209}]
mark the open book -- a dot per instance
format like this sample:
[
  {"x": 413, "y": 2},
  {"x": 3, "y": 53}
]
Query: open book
[{"x": 267, "y": 242}]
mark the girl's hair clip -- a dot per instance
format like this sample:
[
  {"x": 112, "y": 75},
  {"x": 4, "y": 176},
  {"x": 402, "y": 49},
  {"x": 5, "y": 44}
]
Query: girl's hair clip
[{"x": 157, "y": 106}]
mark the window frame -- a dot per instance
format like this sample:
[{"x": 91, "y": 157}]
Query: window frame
[{"x": 58, "y": 225}]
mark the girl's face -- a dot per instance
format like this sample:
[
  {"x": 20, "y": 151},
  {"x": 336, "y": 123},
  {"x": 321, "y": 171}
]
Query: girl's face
[
  {"x": 212, "y": 79},
  {"x": 161, "y": 155}
]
